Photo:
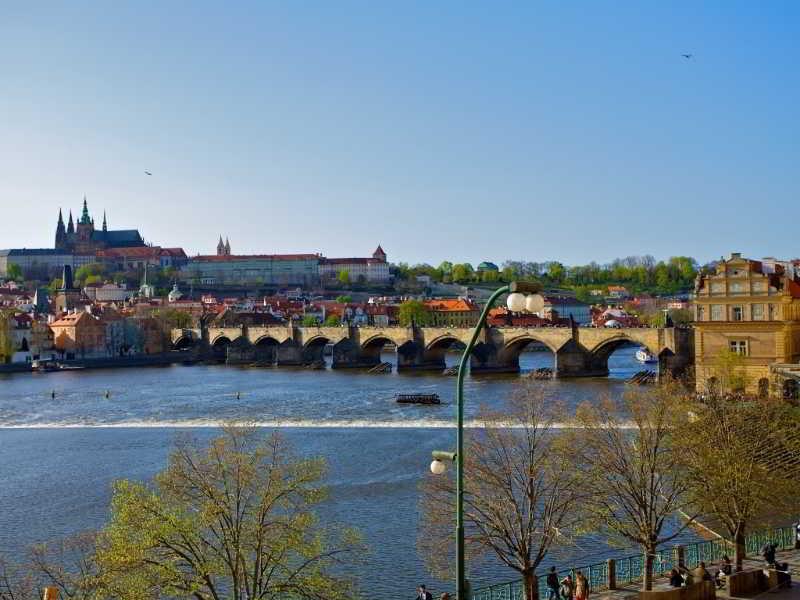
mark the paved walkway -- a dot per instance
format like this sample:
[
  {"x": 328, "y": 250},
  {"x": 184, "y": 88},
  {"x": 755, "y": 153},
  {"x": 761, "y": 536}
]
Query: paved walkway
[{"x": 792, "y": 557}]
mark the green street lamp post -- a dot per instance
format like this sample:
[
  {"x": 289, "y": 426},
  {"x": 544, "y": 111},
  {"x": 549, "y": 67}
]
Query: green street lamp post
[{"x": 517, "y": 302}]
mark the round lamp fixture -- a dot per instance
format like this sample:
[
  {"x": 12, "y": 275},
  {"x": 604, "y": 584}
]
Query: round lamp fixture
[
  {"x": 437, "y": 467},
  {"x": 516, "y": 302},
  {"x": 534, "y": 303}
]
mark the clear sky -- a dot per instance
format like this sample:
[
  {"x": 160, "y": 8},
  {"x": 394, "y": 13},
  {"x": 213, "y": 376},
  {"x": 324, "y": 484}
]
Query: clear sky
[{"x": 443, "y": 130}]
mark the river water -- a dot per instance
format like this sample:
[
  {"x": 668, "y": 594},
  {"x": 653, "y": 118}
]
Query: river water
[{"x": 59, "y": 455}]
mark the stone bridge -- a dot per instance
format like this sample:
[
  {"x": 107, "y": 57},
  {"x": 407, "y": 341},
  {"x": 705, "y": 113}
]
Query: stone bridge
[{"x": 578, "y": 352}]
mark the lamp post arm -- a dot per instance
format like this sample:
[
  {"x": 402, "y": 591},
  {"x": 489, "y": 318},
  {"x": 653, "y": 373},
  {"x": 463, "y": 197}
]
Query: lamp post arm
[{"x": 462, "y": 369}]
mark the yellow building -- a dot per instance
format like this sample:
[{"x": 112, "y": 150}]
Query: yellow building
[{"x": 751, "y": 308}]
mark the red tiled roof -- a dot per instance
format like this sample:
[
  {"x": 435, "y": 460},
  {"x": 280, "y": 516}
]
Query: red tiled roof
[{"x": 458, "y": 305}]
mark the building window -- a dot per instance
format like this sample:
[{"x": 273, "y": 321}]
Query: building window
[
  {"x": 736, "y": 287},
  {"x": 757, "y": 311},
  {"x": 717, "y": 312},
  {"x": 736, "y": 313},
  {"x": 718, "y": 288},
  {"x": 771, "y": 316},
  {"x": 738, "y": 347},
  {"x": 701, "y": 313}
]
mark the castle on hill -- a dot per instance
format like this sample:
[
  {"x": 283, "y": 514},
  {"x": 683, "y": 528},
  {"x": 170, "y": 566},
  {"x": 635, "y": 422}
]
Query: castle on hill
[{"x": 83, "y": 238}]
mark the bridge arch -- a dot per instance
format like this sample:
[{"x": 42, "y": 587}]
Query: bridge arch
[
  {"x": 219, "y": 347},
  {"x": 266, "y": 350},
  {"x": 183, "y": 343},
  {"x": 313, "y": 350},
  {"x": 373, "y": 348}
]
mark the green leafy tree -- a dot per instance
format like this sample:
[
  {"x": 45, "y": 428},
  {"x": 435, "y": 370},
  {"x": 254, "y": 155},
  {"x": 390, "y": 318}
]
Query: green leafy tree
[
  {"x": 414, "y": 311},
  {"x": 343, "y": 277},
  {"x": 6, "y": 336},
  {"x": 344, "y": 299},
  {"x": 462, "y": 273},
  {"x": 232, "y": 520},
  {"x": 309, "y": 321},
  {"x": 445, "y": 267},
  {"x": 333, "y": 321},
  {"x": 739, "y": 458},
  {"x": 92, "y": 269},
  {"x": 14, "y": 272}
]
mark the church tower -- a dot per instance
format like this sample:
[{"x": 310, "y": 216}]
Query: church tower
[
  {"x": 105, "y": 225},
  {"x": 379, "y": 254},
  {"x": 220, "y": 247},
  {"x": 61, "y": 232},
  {"x": 227, "y": 247},
  {"x": 70, "y": 225}
]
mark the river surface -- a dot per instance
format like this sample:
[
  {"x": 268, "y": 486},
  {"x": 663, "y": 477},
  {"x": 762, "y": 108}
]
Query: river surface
[{"x": 59, "y": 455}]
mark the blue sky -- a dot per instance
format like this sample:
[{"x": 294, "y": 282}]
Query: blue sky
[{"x": 443, "y": 130}]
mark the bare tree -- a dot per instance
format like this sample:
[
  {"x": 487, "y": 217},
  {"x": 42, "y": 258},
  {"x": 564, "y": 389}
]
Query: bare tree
[
  {"x": 520, "y": 497},
  {"x": 741, "y": 457},
  {"x": 67, "y": 564},
  {"x": 625, "y": 453}
]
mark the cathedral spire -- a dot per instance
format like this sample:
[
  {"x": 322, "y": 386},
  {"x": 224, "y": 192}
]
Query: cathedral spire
[
  {"x": 70, "y": 225},
  {"x": 61, "y": 233},
  {"x": 227, "y": 247},
  {"x": 85, "y": 219},
  {"x": 105, "y": 225},
  {"x": 220, "y": 247}
]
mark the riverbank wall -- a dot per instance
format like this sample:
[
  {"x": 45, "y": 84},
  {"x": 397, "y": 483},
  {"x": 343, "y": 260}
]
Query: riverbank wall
[{"x": 116, "y": 362}]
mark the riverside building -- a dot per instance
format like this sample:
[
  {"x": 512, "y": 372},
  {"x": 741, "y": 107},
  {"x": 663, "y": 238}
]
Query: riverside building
[{"x": 752, "y": 308}]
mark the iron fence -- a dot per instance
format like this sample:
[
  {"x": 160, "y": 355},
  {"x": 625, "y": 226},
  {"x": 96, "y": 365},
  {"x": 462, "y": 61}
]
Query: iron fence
[{"x": 630, "y": 569}]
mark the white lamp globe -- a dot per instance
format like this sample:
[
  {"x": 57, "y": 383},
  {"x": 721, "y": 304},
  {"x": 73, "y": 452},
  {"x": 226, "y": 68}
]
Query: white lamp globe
[
  {"x": 534, "y": 303},
  {"x": 516, "y": 302},
  {"x": 437, "y": 467}
]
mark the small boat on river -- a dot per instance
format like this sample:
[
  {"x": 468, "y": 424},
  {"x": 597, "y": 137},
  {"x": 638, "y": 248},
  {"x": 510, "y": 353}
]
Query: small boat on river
[
  {"x": 418, "y": 398},
  {"x": 643, "y": 355}
]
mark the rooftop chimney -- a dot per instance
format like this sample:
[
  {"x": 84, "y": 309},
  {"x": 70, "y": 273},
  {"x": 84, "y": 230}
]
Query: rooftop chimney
[{"x": 736, "y": 255}]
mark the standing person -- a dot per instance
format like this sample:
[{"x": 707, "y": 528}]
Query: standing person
[
  {"x": 552, "y": 584},
  {"x": 675, "y": 579},
  {"x": 423, "y": 594},
  {"x": 768, "y": 552},
  {"x": 581, "y": 587},
  {"x": 567, "y": 587}
]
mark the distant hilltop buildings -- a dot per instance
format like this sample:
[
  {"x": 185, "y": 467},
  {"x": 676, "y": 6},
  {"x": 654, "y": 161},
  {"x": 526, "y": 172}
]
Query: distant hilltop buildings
[
  {"x": 226, "y": 268},
  {"x": 79, "y": 243},
  {"x": 83, "y": 238}
]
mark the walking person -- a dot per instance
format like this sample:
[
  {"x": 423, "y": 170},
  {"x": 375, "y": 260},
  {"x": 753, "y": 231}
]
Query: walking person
[
  {"x": 423, "y": 594},
  {"x": 567, "y": 587},
  {"x": 581, "y": 587},
  {"x": 552, "y": 584}
]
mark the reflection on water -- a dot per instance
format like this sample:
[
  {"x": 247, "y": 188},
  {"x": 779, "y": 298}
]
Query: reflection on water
[{"x": 56, "y": 472}]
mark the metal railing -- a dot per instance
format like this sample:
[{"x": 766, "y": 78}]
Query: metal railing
[{"x": 630, "y": 569}]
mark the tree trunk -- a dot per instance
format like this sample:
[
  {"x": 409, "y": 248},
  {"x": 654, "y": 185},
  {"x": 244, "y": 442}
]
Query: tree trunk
[
  {"x": 647, "y": 575},
  {"x": 740, "y": 548},
  {"x": 530, "y": 584}
]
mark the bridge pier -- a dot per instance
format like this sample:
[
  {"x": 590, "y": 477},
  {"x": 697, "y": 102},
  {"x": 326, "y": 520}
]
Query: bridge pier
[{"x": 290, "y": 354}]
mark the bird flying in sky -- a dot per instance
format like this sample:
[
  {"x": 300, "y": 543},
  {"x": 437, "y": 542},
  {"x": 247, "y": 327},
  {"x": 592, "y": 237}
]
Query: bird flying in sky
[
  {"x": 687, "y": 56},
  {"x": 148, "y": 173}
]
